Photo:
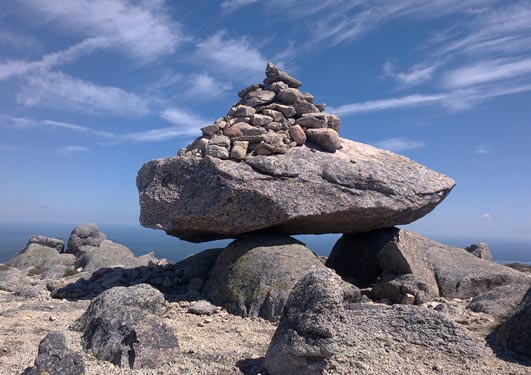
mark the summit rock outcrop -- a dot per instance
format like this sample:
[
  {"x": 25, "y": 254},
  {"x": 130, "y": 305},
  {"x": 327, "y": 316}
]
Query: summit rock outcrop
[{"x": 299, "y": 187}]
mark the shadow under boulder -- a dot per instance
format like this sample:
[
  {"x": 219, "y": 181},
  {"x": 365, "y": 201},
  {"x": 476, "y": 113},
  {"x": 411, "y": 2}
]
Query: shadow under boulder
[
  {"x": 255, "y": 274},
  {"x": 515, "y": 333}
]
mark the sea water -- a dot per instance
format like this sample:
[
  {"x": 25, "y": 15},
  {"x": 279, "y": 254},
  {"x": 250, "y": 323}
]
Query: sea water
[{"x": 13, "y": 238}]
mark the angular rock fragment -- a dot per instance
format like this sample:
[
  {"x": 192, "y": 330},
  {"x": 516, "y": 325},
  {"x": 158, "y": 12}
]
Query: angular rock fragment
[
  {"x": 313, "y": 120},
  {"x": 273, "y": 74},
  {"x": 481, "y": 250}
]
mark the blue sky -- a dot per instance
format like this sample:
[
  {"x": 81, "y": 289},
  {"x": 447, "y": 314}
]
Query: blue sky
[{"x": 92, "y": 89}]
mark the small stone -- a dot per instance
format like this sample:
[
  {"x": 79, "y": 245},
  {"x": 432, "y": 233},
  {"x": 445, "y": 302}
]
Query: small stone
[
  {"x": 232, "y": 131},
  {"x": 199, "y": 145},
  {"x": 201, "y": 307},
  {"x": 216, "y": 151},
  {"x": 248, "y": 89},
  {"x": 52, "y": 318},
  {"x": 409, "y": 299},
  {"x": 260, "y": 120},
  {"x": 242, "y": 111},
  {"x": 210, "y": 130},
  {"x": 200, "y": 324},
  {"x": 288, "y": 96},
  {"x": 247, "y": 129},
  {"x": 273, "y": 74},
  {"x": 239, "y": 150},
  {"x": 308, "y": 97},
  {"x": 276, "y": 86},
  {"x": 328, "y": 139},
  {"x": 302, "y": 107},
  {"x": 321, "y": 106},
  {"x": 333, "y": 122},
  {"x": 220, "y": 140},
  {"x": 275, "y": 126},
  {"x": 313, "y": 120},
  {"x": 297, "y": 134},
  {"x": 276, "y": 115},
  {"x": 286, "y": 110},
  {"x": 258, "y": 97}
]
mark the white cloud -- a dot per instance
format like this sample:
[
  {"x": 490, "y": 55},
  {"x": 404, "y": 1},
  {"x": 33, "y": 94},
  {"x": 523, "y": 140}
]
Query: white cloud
[
  {"x": 386, "y": 104},
  {"x": 186, "y": 124},
  {"x": 58, "y": 90},
  {"x": 487, "y": 71},
  {"x": 69, "y": 150},
  {"x": 414, "y": 76},
  {"x": 229, "y": 6},
  {"x": 456, "y": 100},
  {"x": 12, "y": 68},
  {"x": 486, "y": 217},
  {"x": 233, "y": 57},
  {"x": 142, "y": 29},
  {"x": 483, "y": 150},
  {"x": 400, "y": 144},
  {"x": 204, "y": 86},
  {"x": 18, "y": 41}
]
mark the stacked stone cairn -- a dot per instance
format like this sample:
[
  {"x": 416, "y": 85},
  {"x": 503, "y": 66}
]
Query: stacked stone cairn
[{"x": 269, "y": 119}]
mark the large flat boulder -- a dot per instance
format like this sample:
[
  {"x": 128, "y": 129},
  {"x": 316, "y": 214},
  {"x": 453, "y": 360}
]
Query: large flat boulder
[
  {"x": 322, "y": 332},
  {"x": 255, "y": 274},
  {"x": 358, "y": 188}
]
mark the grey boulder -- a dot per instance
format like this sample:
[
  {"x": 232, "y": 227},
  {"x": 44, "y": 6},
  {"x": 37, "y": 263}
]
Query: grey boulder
[
  {"x": 515, "y": 333},
  {"x": 106, "y": 254},
  {"x": 255, "y": 274},
  {"x": 481, "y": 250},
  {"x": 83, "y": 235},
  {"x": 356, "y": 189},
  {"x": 446, "y": 270},
  {"x": 322, "y": 332},
  {"x": 123, "y": 326},
  {"x": 499, "y": 302},
  {"x": 55, "y": 358}
]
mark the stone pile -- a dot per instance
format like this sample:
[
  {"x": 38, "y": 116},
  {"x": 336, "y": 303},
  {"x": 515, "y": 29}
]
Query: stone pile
[{"x": 269, "y": 119}]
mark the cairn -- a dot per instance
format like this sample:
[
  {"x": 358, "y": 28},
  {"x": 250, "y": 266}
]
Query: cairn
[{"x": 269, "y": 118}]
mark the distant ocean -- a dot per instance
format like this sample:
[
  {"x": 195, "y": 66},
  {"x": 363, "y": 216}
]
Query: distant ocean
[{"x": 13, "y": 238}]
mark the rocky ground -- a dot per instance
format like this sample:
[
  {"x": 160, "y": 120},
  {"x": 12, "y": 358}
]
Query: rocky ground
[
  {"x": 221, "y": 343},
  {"x": 217, "y": 344}
]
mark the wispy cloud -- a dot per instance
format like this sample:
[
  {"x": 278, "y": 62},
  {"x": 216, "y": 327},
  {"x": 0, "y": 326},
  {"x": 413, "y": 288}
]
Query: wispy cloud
[
  {"x": 232, "y": 57},
  {"x": 203, "y": 86},
  {"x": 456, "y": 100},
  {"x": 483, "y": 150},
  {"x": 185, "y": 124},
  {"x": 400, "y": 144},
  {"x": 229, "y": 6},
  {"x": 18, "y": 41},
  {"x": 12, "y": 68},
  {"x": 415, "y": 75},
  {"x": 142, "y": 29},
  {"x": 386, "y": 104},
  {"x": 487, "y": 71},
  {"x": 58, "y": 90},
  {"x": 69, "y": 150}
]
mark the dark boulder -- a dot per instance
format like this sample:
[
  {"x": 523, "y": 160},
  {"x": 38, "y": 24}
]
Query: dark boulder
[
  {"x": 55, "y": 358},
  {"x": 515, "y": 333},
  {"x": 123, "y": 326}
]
